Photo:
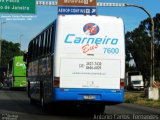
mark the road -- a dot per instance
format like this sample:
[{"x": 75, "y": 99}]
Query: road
[{"x": 14, "y": 105}]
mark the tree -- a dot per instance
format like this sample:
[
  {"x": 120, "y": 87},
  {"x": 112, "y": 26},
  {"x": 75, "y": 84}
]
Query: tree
[
  {"x": 138, "y": 46},
  {"x": 9, "y": 50}
]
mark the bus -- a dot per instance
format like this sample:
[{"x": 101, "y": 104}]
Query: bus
[
  {"x": 16, "y": 72},
  {"x": 78, "y": 59}
]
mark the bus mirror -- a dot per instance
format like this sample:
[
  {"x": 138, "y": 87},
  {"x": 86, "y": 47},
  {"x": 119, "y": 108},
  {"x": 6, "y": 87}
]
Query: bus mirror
[{"x": 25, "y": 57}]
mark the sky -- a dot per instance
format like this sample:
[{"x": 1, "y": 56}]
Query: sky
[{"x": 22, "y": 31}]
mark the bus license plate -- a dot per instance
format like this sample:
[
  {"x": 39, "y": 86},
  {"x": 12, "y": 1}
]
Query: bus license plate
[{"x": 89, "y": 97}]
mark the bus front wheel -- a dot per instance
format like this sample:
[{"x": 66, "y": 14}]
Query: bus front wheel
[
  {"x": 33, "y": 101},
  {"x": 42, "y": 100},
  {"x": 96, "y": 109}
]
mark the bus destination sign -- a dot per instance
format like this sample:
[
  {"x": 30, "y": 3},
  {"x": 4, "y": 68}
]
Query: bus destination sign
[
  {"x": 72, "y": 7},
  {"x": 77, "y": 3}
]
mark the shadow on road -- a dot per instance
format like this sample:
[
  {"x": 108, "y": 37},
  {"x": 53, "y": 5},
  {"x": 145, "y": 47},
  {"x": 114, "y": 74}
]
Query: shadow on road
[{"x": 17, "y": 102}]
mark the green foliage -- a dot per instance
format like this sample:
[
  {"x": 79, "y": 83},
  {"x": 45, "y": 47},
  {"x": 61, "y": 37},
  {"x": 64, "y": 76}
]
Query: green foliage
[
  {"x": 130, "y": 99},
  {"x": 140, "y": 99},
  {"x": 9, "y": 50},
  {"x": 138, "y": 47}
]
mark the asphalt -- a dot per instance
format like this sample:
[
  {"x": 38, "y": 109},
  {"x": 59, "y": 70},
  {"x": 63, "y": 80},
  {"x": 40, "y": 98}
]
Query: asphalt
[{"x": 14, "y": 105}]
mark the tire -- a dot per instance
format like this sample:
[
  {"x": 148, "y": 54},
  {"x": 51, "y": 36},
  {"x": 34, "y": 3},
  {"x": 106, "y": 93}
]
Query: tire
[
  {"x": 1, "y": 85},
  {"x": 28, "y": 90},
  {"x": 42, "y": 100},
  {"x": 33, "y": 101},
  {"x": 11, "y": 85},
  {"x": 96, "y": 109},
  {"x": 43, "y": 105},
  {"x": 100, "y": 109}
]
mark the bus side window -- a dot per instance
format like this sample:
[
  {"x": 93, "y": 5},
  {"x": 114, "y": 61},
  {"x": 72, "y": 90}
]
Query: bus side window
[
  {"x": 37, "y": 45},
  {"x": 29, "y": 51},
  {"x": 46, "y": 41},
  {"x": 25, "y": 57},
  {"x": 44, "y": 47},
  {"x": 34, "y": 49},
  {"x": 32, "y": 53},
  {"x": 31, "y": 57},
  {"x": 41, "y": 47},
  {"x": 51, "y": 40},
  {"x": 43, "y": 44}
]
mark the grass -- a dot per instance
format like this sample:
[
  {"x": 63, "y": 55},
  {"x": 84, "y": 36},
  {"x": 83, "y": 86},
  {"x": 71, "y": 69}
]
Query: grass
[{"x": 140, "y": 99}]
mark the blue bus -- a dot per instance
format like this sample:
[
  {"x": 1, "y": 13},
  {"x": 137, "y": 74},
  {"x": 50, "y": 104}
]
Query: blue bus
[{"x": 78, "y": 59}]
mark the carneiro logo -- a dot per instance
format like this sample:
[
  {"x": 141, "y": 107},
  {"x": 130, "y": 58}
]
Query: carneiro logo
[
  {"x": 91, "y": 29},
  {"x": 90, "y": 42}
]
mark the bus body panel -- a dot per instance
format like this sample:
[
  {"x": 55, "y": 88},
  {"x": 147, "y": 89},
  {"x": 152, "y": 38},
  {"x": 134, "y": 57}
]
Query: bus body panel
[
  {"x": 76, "y": 74},
  {"x": 71, "y": 38},
  {"x": 19, "y": 66},
  {"x": 74, "y": 94},
  {"x": 19, "y": 82}
]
